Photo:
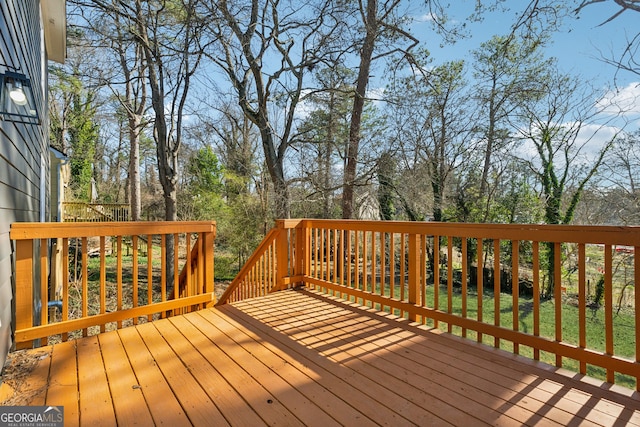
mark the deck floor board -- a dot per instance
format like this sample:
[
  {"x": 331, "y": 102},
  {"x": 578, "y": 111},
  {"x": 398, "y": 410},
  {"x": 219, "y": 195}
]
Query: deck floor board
[
  {"x": 127, "y": 397},
  {"x": 195, "y": 401},
  {"x": 62, "y": 386},
  {"x": 97, "y": 406},
  {"x": 300, "y": 358},
  {"x": 277, "y": 397},
  {"x": 220, "y": 377},
  {"x": 151, "y": 382},
  {"x": 339, "y": 380}
]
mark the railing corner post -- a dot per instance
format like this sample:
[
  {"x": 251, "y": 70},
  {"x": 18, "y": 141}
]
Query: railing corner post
[
  {"x": 282, "y": 249},
  {"x": 300, "y": 251}
]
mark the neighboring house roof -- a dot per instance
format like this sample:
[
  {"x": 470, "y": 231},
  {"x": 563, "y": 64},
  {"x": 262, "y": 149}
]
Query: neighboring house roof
[{"x": 55, "y": 29}]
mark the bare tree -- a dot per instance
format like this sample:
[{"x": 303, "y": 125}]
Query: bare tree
[
  {"x": 266, "y": 49},
  {"x": 133, "y": 101},
  {"x": 432, "y": 127},
  {"x": 558, "y": 130},
  {"x": 628, "y": 59},
  {"x": 506, "y": 73},
  {"x": 321, "y": 142},
  {"x": 167, "y": 35},
  {"x": 378, "y": 22},
  {"x": 621, "y": 178},
  {"x": 123, "y": 73},
  {"x": 625, "y": 5}
]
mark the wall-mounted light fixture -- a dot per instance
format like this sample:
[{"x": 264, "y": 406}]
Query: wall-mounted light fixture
[{"x": 16, "y": 99}]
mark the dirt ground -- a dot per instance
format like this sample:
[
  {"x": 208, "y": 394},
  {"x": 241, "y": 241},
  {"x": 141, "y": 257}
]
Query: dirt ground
[{"x": 15, "y": 389}]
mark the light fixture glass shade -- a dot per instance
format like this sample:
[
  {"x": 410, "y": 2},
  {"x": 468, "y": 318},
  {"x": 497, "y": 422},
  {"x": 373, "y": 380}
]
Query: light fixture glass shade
[
  {"x": 16, "y": 93},
  {"x": 17, "y": 103}
]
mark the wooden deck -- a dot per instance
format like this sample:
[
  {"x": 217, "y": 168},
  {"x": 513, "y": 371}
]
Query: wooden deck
[{"x": 297, "y": 358}]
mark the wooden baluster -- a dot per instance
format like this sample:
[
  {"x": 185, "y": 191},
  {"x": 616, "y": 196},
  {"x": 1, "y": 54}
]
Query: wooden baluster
[
  {"x": 608, "y": 306},
  {"x": 44, "y": 286},
  {"x": 65, "y": 284},
  {"x": 403, "y": 258},
  {"x": 163, "y": 271},
  {"x": 465, "y": 271},
  {"x": 176, "y": 269},
  {"x": 449, "y": 280},
  {"x": 479, "y": 283},
  {"x": 103, "y": 280},
  {"x": 496, "y": 288},
  {"x": 85, "y": 282},
  {"x": 149, "y": 274},
  {"x": 349, "y": 259},
  {"x": 436, "y": 276},
  {"x": 423, "y": 274},
  {"x": 414, "y": 272},
  {"x": 557, "y": 295},
  {"x": 515, "y": 288},
  {"x": 356, "y": 269},
  {"x": 536, "y": 296},
  {"x": 582, "y": 303},
  {"x": 119, "y": 256},
  {"x": 365, "y": 270},
  {"x": 392, "y": 267},
  {"x": 321, "y": 256},
  {"x": 383, "y": 267},
  {"x": 134, "y": 272},
  {"x": 334, "y": 259}
]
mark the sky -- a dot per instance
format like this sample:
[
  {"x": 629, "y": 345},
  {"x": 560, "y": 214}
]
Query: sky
[{"x": 579, "y": 47}]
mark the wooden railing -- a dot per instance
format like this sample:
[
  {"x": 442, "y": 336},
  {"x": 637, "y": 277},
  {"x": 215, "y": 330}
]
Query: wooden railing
[
  {"x": 272, "y": 266},
  {"x": 486, "y": 282},
  {"x": 199, "y": 269},
  {"x": 94, "y": 212},
  {"x": 111, "y": 273}
]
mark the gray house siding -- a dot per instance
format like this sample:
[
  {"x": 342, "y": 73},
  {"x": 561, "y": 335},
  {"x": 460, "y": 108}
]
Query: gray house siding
[{"x": 24, "y": 156}]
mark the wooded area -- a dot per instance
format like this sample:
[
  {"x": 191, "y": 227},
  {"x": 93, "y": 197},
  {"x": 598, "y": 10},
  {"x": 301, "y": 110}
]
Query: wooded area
[{"x": 247, "y": 111}]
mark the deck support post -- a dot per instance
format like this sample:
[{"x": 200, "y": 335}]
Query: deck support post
[{"x": 24, "y": 288}]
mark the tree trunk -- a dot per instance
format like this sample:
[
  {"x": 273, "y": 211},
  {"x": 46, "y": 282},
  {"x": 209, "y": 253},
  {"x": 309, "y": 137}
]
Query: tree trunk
[
  {"x": 134, "y": 167},
  {"x": 276, "y": 171},
  {"x": 366, "y": 56}
]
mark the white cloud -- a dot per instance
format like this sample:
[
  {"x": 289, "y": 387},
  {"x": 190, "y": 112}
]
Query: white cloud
[
  {"x": 593, "y": 137},
  {"x": 588, "y": 144},
  {"x": 625, "y": 101},
  {"x": 305, "y": 107},
  {"x": 427, "y": 17},
  {"x": 375, "y": 94}
]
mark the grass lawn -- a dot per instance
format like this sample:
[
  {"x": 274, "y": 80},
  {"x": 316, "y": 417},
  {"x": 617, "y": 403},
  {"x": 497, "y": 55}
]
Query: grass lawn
[{"x": 623, "y": 328}]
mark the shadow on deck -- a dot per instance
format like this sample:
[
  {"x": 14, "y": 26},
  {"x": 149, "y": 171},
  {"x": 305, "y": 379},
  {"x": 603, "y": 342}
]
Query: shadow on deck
[{"x": 299, "y": 358}]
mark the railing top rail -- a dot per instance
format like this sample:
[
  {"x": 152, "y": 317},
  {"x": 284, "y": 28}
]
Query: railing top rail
[
  {"x": 35, "y": 230},
  {"x": 94, "y": 204},
  {"x": 601, "y": 234}
]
